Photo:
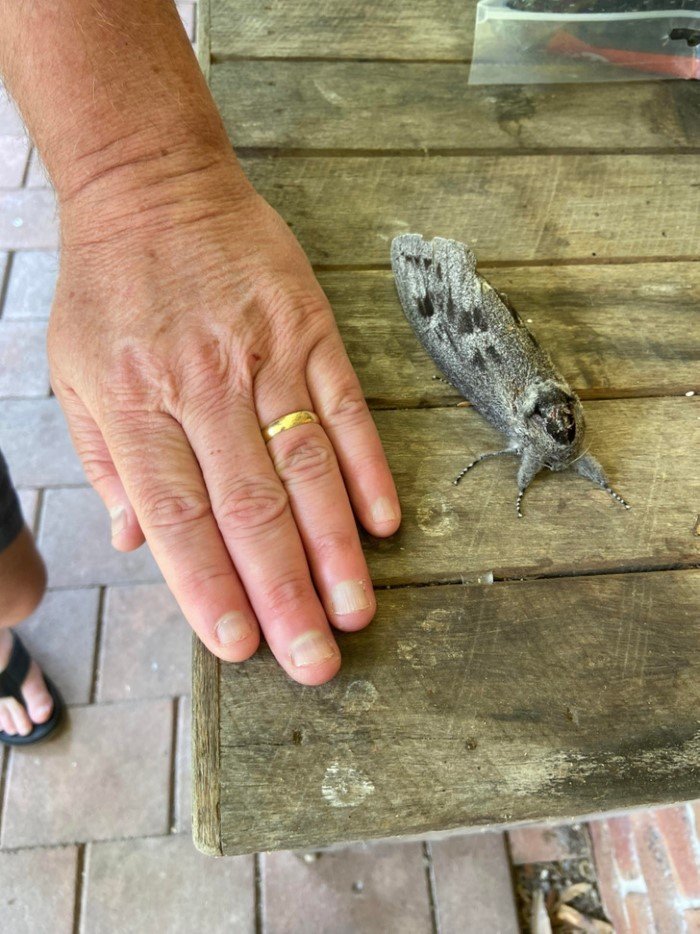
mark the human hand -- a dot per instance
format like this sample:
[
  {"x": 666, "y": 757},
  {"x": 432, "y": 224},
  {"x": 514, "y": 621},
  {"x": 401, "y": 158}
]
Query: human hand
[{"x": 176, "y": 333}]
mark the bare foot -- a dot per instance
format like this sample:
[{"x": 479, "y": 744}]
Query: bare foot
[
  {"x": 22, "y": 585},
  {"x": 13, "y": 716}
]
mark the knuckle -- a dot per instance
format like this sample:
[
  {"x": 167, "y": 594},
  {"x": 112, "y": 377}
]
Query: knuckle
[
  {"x": 164, "y": 509},
  {"x": 348, "y": 406},
  {"x": 287, "y": 595},
  {"x": 305, "y": 459},
  {"x": 199, "y": 581},
  {"x": 333, "y": 543},
  {"x": 97, "y": 466},
  {"x": 253, "y": 505}
]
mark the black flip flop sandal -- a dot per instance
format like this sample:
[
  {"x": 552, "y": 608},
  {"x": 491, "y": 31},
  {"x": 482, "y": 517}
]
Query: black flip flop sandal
[{"x": 11, "y": 680}]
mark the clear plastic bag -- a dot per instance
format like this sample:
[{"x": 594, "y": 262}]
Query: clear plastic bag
[{"x": 540, "y": 41}]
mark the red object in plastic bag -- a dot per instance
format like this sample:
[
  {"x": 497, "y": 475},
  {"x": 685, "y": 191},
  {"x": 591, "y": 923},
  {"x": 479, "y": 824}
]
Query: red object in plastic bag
[{"x": 677, "y": 66}]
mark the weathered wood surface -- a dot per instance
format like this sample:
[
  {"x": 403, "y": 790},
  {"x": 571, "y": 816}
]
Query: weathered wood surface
[
  {"x": 315, "y": 105},
  {"x": 204, "y": 37},
  {"x": 570, "y": 526},
  {"x": 472, "y": 705},
  {"x": 510, "y": 208},
  {"x": 206, "y": 785},
  {"x": 432, "y": 29},
  {"x": 614, "y": 330},
  {"x": 572, "y": 691}
]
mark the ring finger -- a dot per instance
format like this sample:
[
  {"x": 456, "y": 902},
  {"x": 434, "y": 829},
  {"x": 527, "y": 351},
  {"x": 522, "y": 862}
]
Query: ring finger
[{"x": 306, "y": 463}]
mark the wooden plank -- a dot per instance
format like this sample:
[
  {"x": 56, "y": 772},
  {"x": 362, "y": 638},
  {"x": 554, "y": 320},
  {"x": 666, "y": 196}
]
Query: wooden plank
[
  {"x": 511, "y": 208},
  {"x": 463, "y": 706},
  {"x": 570, "y": 526},
  {"x": 614, "y": 330},
  {"x": 399, "y": 106},
  {"x": 433, "y": 29},
  {"x": 203, "y": 14},
  {"x": 206, "y": 787}
]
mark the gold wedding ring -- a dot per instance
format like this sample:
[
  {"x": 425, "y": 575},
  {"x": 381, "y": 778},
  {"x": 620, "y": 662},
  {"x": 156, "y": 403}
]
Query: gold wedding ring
[{"x": 288, "y": 421}]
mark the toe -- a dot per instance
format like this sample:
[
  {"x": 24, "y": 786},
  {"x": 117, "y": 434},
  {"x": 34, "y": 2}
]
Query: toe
[
  {"x": 36, "y": 695},
  {"x": 7, "y": 724},
  {"x": 23, "y": 724}
]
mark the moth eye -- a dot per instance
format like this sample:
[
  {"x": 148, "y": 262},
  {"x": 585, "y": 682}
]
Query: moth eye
[{"x": 563, "y": 433}]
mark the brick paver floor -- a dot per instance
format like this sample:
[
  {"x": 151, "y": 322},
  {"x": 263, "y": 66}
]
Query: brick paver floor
[{"x": 94, "y": 826}]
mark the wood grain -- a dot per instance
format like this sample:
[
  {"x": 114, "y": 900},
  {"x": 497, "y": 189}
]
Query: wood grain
[
  {"x": 463, "y": 706},
  {"x": 570, "y": 526},
  {"x": 203, "y": 14},
  {"x": 433, "y": 29},
  {"x": 509, "y": 208},
  {"x": 206, "y": 787},
  {"x": 614, "y": 330},
  {"x": 408, "y": 106},
  {"x": 466, "y": 704}
]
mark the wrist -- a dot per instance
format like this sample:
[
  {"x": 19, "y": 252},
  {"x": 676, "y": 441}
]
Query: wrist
[{"x": 148, "y": 188}]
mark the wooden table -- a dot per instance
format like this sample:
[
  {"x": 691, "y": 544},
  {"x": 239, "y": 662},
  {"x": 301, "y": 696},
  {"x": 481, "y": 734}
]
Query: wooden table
[{"x": 516, "y": 670}]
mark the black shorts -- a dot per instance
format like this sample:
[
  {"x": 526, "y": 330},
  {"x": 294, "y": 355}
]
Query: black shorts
[{"x": 11, "y": 521}]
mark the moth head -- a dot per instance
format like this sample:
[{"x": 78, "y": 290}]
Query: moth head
[{"x": 554, "y": 423}]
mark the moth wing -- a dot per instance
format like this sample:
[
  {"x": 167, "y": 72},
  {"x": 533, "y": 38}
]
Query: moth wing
[{"x": 461, "y": 321}]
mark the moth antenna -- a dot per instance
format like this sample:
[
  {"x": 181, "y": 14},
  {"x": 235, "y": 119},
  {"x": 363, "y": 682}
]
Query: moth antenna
[
  {"x": 443, "y": 380},
  {"x": 580, "y": 456},
  {"x": 478, "y": 460},
  {"x": 518, "y": 510},
  {"x": 616, "y": 496}
]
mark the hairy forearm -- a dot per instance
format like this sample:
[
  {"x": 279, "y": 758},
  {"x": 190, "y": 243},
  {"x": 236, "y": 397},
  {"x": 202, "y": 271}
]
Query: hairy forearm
[{"x": 113, "y": 97}]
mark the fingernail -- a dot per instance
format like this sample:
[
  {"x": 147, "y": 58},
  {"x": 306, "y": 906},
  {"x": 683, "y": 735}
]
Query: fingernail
[
  {"x": 233, "y": 627},
  {"x": 383, "y": 510},
  {"x": 311, "y": 649},
  {"x": 118, "y": 517},
  {"x": 349, "y": 597}
]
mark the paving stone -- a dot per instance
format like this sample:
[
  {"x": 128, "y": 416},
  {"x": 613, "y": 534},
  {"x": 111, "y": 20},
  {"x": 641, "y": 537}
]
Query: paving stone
[
  {"x": 29, "y": 501},
  {"x": 141, "y": 886},
  {"x": 10, "y": 120},
  {"x": 377, "y": 888},
  {"x": 24, "y": 367},
  {"x": 37, "y": 892},
  {"x": 32, "y": 284},
  {"x": 61, "y": 636},
  {"x": 35, "y": 440},
  {"x": 656, "y": 867},
  {"x": 188, "y": 13},
  {"x": 146, "y": 645},
  {"x": 36, "y": 175},
  {"x": 544, "y": 843},
  {"x": 28, "y": 219},
  {"x": 675, "y": 825},
  {"x": 74, "y": 539},
  {"x": 473, "y": 886},
  {"x": 106, "y": 775},
  {"x": 610, "y": 852},
  {"x": 639, "y": 918},
  {"x": 14, "y": 153},
  {"x": 183, "y": 788}
]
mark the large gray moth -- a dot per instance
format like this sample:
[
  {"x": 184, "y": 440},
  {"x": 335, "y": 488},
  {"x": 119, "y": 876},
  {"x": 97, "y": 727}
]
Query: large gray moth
[{"x": 480, "y": 343}]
